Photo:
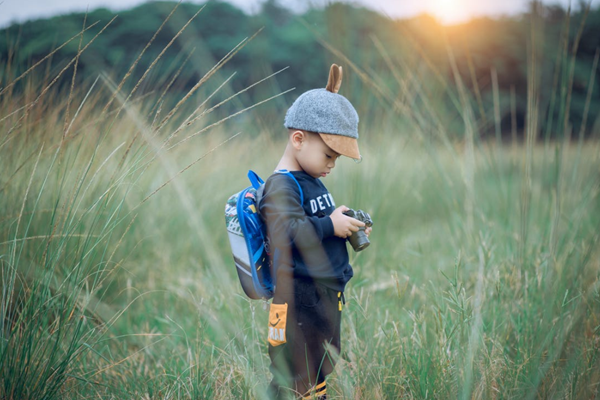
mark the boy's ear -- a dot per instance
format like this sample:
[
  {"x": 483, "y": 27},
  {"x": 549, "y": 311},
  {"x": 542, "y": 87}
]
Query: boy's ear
[{"x": 297, "y": 137}]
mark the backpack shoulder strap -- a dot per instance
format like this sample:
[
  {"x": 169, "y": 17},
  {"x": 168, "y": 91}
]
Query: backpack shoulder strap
[
  {"x": 288, "y": 173},
  {"x": 255, "y": 180}
]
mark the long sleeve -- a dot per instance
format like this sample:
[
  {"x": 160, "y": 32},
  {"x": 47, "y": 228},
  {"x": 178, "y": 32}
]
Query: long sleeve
[
  {"x": 286, "y": 219},
  {"x": 302, "y": 232}
]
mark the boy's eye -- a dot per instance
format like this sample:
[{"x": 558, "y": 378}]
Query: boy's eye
[{"x": 327, "y": 155}]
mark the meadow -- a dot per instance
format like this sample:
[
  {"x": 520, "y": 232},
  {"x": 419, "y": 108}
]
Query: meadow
[{"x": 482, "y": 279}]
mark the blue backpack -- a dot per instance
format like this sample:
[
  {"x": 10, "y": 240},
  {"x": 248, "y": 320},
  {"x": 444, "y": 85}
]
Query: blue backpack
[{"x": 248, "y": 239}]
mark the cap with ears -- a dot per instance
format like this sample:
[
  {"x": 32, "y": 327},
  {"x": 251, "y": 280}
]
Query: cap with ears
[{"x": 329, "y": 114}]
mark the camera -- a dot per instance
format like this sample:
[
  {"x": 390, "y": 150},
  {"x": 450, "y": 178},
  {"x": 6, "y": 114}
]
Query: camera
[{"x": 359, "y": 240}]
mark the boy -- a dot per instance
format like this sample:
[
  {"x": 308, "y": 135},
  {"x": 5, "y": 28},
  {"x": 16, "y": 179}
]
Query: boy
[{"x": 308, "y": 240}]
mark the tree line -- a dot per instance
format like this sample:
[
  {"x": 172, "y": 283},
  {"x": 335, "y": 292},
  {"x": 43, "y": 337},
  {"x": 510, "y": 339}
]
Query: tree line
[{"x": 391, "y": 65}]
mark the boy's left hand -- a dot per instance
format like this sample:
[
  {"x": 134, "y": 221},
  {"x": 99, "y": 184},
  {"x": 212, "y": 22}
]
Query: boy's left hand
[{"x": 368, "y": 230}]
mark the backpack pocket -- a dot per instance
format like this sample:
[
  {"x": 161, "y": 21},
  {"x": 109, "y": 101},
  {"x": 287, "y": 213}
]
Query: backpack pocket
[{"x": 277, "y": 323}]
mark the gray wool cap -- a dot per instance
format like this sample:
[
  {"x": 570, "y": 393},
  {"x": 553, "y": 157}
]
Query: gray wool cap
[{"x": 322, "y": 111}]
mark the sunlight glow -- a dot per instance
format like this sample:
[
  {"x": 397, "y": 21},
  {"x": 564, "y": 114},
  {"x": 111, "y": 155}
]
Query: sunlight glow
[{"x": 451, "y": 11}]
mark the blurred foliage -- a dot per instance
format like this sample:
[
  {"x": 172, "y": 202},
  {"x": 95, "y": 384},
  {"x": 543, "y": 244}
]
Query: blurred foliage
[{"x": 385, "y": 54}]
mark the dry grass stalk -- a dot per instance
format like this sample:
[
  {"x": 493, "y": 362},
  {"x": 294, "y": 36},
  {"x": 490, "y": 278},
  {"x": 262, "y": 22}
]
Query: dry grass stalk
[
  {"x": 156, "y": 60},
  {"x": 14, "y": 252},
  {"x": 229, "y": 117},
  {"x": 572, "y": 68},
  {"x": 24, "y": 74},
  {"x": 414, "y": 113},
  {"x": 186, "y": 168},
  {"x": 470, "y": 132},
  {"x": 132, "y": 67},
  {"x": 73, "y": 80},
  {"x": 45, "y": 90},
  {"x": 475, "y": 84},
  {"x": 361, "y": 74},
  {"x": 188, "y": 122},
  {"x": 142, "y": 79},
  {"x": 210, "y": 73},
  {"x": 171, "y": 82},
  {"x": 189, "y": 118}
]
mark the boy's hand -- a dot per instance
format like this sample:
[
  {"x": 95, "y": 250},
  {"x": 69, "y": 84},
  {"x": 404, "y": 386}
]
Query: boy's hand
[{"x": 343, "y": 225}]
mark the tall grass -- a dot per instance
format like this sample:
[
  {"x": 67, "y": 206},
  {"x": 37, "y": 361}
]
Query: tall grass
[{"x": 117, "y": 281}]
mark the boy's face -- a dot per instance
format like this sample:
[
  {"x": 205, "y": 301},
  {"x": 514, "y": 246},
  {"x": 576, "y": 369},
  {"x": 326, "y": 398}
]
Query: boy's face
[{"x": 315, "y": 157}]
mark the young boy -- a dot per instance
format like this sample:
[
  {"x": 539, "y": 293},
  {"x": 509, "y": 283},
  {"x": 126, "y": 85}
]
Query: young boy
[{"x": 308, "y": 240}]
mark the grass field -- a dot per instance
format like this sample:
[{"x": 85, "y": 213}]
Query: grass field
[
  {"x": 465, "y": 292},
  {"x": 482, "y": 280}
]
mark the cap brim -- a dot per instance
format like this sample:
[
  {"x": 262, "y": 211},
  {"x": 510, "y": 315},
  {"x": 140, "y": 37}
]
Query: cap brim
[{"x": 343, "y": 145}]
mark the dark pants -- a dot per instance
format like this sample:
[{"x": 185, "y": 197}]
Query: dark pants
[{"x": 312, "y": 345}]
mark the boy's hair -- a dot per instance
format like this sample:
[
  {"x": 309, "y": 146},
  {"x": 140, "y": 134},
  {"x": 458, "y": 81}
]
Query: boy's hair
[{"x": 329, "y": 114}]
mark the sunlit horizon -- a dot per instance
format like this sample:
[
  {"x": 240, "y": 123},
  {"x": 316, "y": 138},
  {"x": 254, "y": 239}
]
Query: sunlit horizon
[
  {"x": 451, "y": 12},
  {"x": 448, "y": 12}
]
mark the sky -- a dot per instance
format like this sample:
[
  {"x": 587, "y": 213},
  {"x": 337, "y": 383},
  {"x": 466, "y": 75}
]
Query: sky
[{"x": 446, "y": 11}]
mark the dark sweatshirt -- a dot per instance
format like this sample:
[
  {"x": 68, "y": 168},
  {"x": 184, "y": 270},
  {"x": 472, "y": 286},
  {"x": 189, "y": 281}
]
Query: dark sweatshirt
[{"x": 303, "y": 233}]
